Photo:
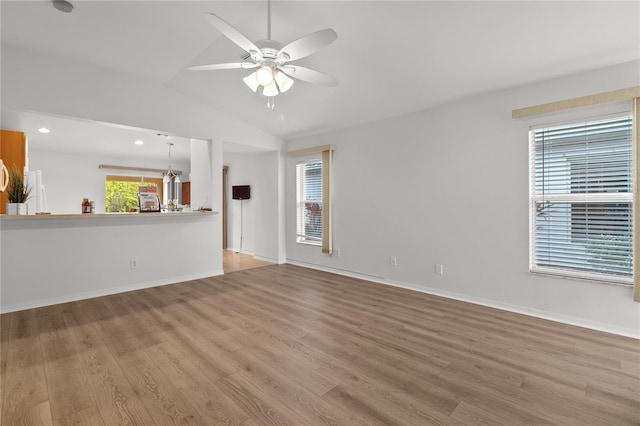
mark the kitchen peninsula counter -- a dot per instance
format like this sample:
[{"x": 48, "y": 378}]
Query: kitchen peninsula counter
[
  {"x": 107, "y": 215},
  {"x": 49, "y": 259}
]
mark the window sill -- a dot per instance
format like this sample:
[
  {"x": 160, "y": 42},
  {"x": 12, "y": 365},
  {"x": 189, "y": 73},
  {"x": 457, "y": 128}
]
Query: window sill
[
  {"x": 620, "y": 282},
  {"x": 310, "y": 243}
]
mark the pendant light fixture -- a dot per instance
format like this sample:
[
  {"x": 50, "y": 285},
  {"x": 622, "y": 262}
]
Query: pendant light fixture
[{"x": 172, "y": 185}]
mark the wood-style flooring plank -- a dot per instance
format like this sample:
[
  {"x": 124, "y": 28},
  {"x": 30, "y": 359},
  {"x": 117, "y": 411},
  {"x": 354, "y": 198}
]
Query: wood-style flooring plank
[
  {"x": 471, "y": 415},
  {"x": 283, "y": 344},
  {"x": 26, "y": 397},
  {"x": 116, "y": 400},
  {"x": 366, "y": 412},
  {"x": 89, "y": 416},
  {"x": 257, "y": 336},
  {"x": 432, "y": 409},
  {"x": 66, "y": 387},
  {"x": 295, "y": 369},
  {"x": 5, "y": 328},
  {"x": 159, "y": 394},
  {"x": 291, "y": 392},
  {"x": 196, "y": 384},
  {"x": 232, "y": 261},
  {"x": 261, "y": 406}
]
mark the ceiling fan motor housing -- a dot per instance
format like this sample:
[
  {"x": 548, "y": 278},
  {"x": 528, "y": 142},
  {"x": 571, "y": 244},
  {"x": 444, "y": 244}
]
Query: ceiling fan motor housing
[{"x": 269, "y": 50}]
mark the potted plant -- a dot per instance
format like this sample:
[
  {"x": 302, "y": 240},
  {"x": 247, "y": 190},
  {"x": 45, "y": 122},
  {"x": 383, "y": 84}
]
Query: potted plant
[{"x": 18, "y": 193}]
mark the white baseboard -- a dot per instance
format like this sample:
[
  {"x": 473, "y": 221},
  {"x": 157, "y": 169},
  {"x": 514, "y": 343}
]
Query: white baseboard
[
  {"x": 551, "y": 316},
  {"x": 266, "y": 259},
  {"x": 104, "y": 292},
  {"x": 239, "y": 251},
  {"x": 271, "y": 260}
]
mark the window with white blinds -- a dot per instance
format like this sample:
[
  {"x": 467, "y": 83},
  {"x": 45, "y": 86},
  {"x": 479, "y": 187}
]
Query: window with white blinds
[
  {"x": 309, "y": 202},
  {"x": 581, "y": 199}
]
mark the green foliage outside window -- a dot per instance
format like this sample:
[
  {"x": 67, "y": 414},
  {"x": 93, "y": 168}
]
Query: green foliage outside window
[
  {"x": 612, "y": 253},
  {"x": 121, "y": 196}
]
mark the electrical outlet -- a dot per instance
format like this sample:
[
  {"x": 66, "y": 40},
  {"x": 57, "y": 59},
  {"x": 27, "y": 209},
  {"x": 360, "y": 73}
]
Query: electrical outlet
[
  {"x": 439, "y": 269},
  {"x": 394, "y": 261},
  {"x": 337, "y": 252},
  {"x": 133, "y": 264}
]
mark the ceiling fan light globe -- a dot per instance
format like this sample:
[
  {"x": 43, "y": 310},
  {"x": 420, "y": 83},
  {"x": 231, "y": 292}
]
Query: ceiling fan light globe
[
  {"x": 284, "y": 82},
  {"x": 264, "y": 75},
  {"x": 252, "y": 82},
  {"x": 271, "y": 90}
]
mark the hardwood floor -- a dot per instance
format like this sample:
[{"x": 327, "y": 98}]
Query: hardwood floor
[
  {"x": 233, "y": 262},
  {"x": 282, "y": 345}
]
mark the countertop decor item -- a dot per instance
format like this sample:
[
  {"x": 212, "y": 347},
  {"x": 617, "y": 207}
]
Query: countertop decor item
[
  {"x": 4, "y": 176},
  {"x": 18, "y": 193}
]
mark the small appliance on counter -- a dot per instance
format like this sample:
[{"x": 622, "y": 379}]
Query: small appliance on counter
[{"x": 148, "y": 199}]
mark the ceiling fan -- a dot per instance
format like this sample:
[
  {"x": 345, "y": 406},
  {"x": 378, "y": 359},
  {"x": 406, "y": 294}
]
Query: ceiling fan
[{"x": 272, "y": 59}]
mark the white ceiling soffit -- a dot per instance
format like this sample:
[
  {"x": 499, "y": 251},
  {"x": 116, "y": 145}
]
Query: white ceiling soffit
[{"x": 101, "y": 140}]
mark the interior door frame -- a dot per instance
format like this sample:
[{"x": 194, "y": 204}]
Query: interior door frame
[{"x": 225, "y": 172}]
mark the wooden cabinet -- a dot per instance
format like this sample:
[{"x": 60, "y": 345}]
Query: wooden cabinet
[
  {"x": 186, "y": 193},
  {"x": 13, "y": 152}
]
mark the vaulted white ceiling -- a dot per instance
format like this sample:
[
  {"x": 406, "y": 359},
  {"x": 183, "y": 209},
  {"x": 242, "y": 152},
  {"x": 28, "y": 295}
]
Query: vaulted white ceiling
[{"x": 391, "y": 57}]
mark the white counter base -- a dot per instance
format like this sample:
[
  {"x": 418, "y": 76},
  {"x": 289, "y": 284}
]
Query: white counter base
[{"x": 48, "y": 259}]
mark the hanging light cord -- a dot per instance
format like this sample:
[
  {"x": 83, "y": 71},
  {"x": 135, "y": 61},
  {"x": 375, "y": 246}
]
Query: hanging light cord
[{"x": 170, "y": 171}]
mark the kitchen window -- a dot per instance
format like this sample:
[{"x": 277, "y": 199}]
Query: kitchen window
[{"x": 121, "y": 192}]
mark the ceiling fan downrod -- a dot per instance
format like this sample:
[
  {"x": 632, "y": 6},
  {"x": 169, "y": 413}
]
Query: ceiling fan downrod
[{"x": 268, "y": 19}]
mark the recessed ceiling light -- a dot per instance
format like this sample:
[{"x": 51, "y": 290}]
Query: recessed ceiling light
[
  {"x": 43, "y": 130},
  {"x": 139, "y": 142}
]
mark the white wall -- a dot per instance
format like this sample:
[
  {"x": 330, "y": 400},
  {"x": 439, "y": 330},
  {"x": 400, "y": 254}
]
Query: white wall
[
  {"x": 242, "y": 171},
  {"x": 262, "y": 216},
  {"x": 70, "y": 177},
  {"x": 53, "y": 260},
  {"x": 449, "y": 185},
  {"x": 201, "y": 175},
  {"x": 268, "y": 245}
]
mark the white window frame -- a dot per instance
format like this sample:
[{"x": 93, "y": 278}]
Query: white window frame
[
  {"x": 586, "y": 198},
  {"x": 302, "y": 211}
]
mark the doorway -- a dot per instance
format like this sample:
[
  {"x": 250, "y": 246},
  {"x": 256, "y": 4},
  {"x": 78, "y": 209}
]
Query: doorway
[{"x": 232, "y": 261}]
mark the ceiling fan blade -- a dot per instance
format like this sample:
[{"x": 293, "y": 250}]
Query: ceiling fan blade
[
  {"x": 229, "y": 66},
  {"x": 308, "y": 75},
  {"x": 234, "y": 35},
  {"x": 308, "y": 44}
]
